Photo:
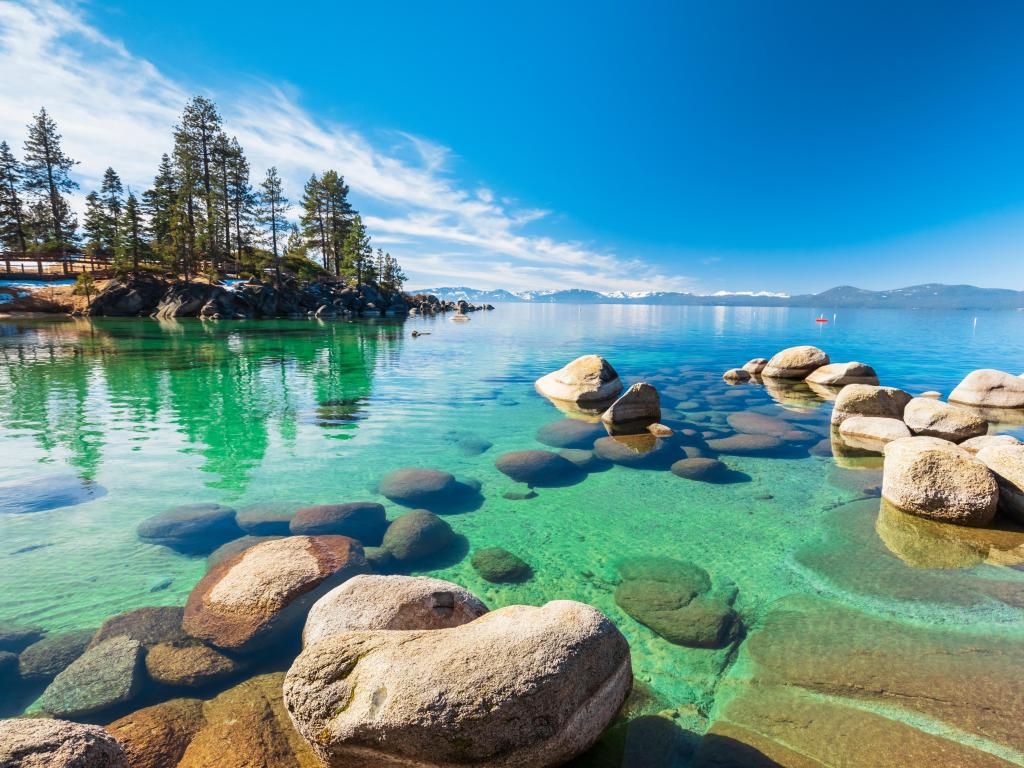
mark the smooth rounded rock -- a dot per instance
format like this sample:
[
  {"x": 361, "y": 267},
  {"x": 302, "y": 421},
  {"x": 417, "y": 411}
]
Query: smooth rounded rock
[
  {"x": 414, "y": 486},
  {"x": 585, "y": 460},
  {"x": 15, "y": 638},
  {"x": 736, "y": 375},
  {"x": 537, "y": 468},
  {"x": 746, "y": 445},
  {"x": 795, "y": 363},
  {"x": 188, "y": 664},
  {"x": 191, "y": 528},
  {"x": 266, "y": 518},
  {"x": 106, "y": 675},
  {"x": 50, "y": 656},
  {"x": 44, "y": 743},
  {"x": 705, "y": 470},
  {"x": 1006, "y": 462},
  {"x": 755, "y": 366},
  {"x": 638, "y": 451},
  {"x": 147, "y": 626},
  {"x": 586, "y": 381},
  {"x": 362, "y": 520},
  {"x": 416, "y": 535},
  {"x": 975, "y": 444},
  {"x": 569, "y": 433},
  {"x": 989, "y": 388},
  {"x": 234, "y": 547},
  {"x": 934, "y": 418},
  {"x": 247, "y": 602},
  {"x": 872, "y": 432},
  {"x": 391, "y": 602},
  {"x": 520, "y": 686},
  {"x": 157, "y": 736},
  {"x": 754, "y": 423},
  {"x": 935, "y": 479},
  {"x": 841, "y": 374},
  {"x": 500, "y": 566},
  {"x": 868, "y": 400},
  {"x": 637, "y": 408}
]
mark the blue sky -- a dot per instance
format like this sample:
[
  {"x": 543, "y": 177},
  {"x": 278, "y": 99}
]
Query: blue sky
[{"x": 779, "y": 146}]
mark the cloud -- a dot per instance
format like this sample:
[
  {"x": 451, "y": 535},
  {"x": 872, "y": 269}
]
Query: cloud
[{"x": 115, "y": 108}]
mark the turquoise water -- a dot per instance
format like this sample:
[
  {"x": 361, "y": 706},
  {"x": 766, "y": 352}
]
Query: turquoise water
[{"x": 156, "y": 414}]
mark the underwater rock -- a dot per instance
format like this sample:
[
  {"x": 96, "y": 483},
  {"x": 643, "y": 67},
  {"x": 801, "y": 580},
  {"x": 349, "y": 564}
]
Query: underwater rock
[
  {"x": 634, "y": 411},
  {"x": 841, "y": 374},
  {"x": 934, "y": 418},
  {"x": 362, "y": 520},
  {"x": 637, "y": 451},
  {"x": 44, "y": 743},
  {"x": 251, "y": 718},
  {"x": 390, "y": 602},
  {"x": 705, "y": 470},
  {"x": 416, "y": 487},
  {"x": 518, "y": 686},
  {"x": 868, "y": 400},
  {"x": 44, "y": 493},
  {"x": 472, "y": 445},
  {"x": 14, "y": 638},
  {"x": 754, "y": 423},
  {"x": 934, "y": 478},
  {"x": 792, "y": 394},
  {"x": 266, "y": 518},
  {"x": 106, "y": 675},
  {"x": 675, "y": 599},
  {"x": 975, "y": 444},
  {"x": 746, "y": 445},
  {"x": 147, "y": 626},
  {"x": 736, "y": 375},
  {"x": 569, "y": 433},
  {"x": 988, "y": 388},
  {"x": 249, "y": 601},
  {"x": 417, "y": 534},
  {"x": 795, "y": 363},
  {"x": 189, "y": 664},
  {"x": 379, "y": 559},
  {"x": 191, "y": 528},
  {"x": 232, "y": 548},
  {"x": 585, "y": 460},
  {"x": 755, "y": 366},
  {"x": 157, "y": 736},
  {"x": 587, "y": 381},
  {"x": 500, "y": 566},
  {"x": 537, "y": 468},
  {"x": 1006, "y": 463},
  {"x": 48, "y": 657}
]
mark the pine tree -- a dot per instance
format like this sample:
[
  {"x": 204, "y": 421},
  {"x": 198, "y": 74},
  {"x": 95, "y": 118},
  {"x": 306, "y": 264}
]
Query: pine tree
[
  {"x": 356, "y": 248},
  {"x": 195, "y": 140},
  {"x": 133, "y": 240},
  {"x": 12, "y": 211},
  {"x": 314, "y": 223},
  {"x": 393, "y": 276},
  {"x": 338, "y": 213},
  {"x": 271, "y": 214},
  {"x": 158, "y": 203},
  {"x": 46, "y": 173},
  {"x": 241, "y": 198},
  {"x": 295, "y": 246},
  {"x": 111, "y": 192},
  {"x": 95, "y": 226}
]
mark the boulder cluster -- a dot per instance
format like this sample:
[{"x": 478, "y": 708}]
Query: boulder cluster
[{"x": 151, "y": 296}]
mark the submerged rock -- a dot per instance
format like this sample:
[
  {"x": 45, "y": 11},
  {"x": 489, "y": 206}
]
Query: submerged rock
[
  {"x": 362, "y": 520},
  {"x": 703, "y": 469},
  {"x": 795, "y": 363},
  {"x": 988, "y": 388},
  {"x": 638, "y": 451},
  {"x": 147, "y": 626},
  {"x": 634, "y": 411},
  {"x": 416, "y": 535},
  {"x": 587, "y": 381},
  {"x": 585, "y": 460},
  {"x": 754, "y": 423},
  {"x": 45, "y": 493},
  {"x": 414, "y": 486},
  {"x": 249, "y": 601},
  {"x": 108, "y": 674},
  {"x": 48, "y": 657},
  {"x": 266, "y": 518},
  {"x": 934, "y": 478},
  {"x": 192, "y": 528},
  {"x": 189, "y": 664},
  {"x": 157, "y": 736},
  {"x": 500, "y": 566},
  {"x": 934, "y": 418},
  {"x": 43, "y": 743},
  {"x": 569, "y": 433},
  {"x": 391, "y": 602},
  {"x": 747, "y": 445},
  {"x": 537, "y": 468},
  {"x": 841, "y": 374},
  {"x": 867, "y": 400},
  {"x": 15, "y": 638},
  {"x": 518, "y": 686},
  {"x": 1006, "y": 462}
]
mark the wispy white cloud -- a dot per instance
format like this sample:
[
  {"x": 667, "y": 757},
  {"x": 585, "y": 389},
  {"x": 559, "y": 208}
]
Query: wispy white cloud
[{"x": 115, "y": 108}]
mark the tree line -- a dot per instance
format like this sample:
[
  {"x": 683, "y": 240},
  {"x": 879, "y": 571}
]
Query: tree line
[{"x": 202, "y": 214}]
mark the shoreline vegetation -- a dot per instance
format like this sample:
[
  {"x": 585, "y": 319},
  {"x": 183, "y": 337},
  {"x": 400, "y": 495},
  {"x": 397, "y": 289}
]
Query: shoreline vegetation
[{"x": 167, "y": 251}]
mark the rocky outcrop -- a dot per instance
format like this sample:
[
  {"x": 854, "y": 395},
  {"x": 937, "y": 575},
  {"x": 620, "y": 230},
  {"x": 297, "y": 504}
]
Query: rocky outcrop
[
  {"x": 517, "y": 686},
  {"x": 129, "y": 297},
  {"x": 841, "y": 374},
  {"x": 588, "y": 382},
  {"x": 935, "y": 479},
  {"x": 868, "y": 400},
  {"x": 934, "y": 418},
  {"x": 390, "y": 602},
  {"x": 1006, "y": 462},
  {"x": 247, "y": 602},
  {"x": 106, "y": 675},
  {"x": 187, "y": 299},
  {"x": 634, "y": 411},
  {"x": 988, "y": 388},
  {"x": 40, "y": 743},
  {"x": 795, "y": 363}
]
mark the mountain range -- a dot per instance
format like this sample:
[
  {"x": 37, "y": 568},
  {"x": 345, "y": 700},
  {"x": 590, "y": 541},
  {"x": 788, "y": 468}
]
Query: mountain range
[{"x": 928, "y": 296}]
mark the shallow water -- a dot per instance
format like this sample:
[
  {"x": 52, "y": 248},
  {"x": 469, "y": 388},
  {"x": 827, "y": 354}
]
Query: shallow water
[{"x": 130, "y": 417}]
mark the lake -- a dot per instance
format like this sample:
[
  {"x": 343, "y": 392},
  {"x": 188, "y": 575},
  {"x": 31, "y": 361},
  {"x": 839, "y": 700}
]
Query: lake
[{"x": 843, "y": 605}]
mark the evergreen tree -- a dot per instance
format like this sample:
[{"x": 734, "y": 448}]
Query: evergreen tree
[
  {"x": 158, "y": 203},
  {"x": 356, "y": 248},
  {"x": 392, "y": 277},
  {"x": 241, "y": 198},
  {"x": 12, "y": 211},
  {"x": 195, "y": 141},
  {"x": 95, "y": 226},
  {"x": 46, "y": 173},
  {"x": 271, "y": 214},
  {"x": 295, "y": 246},
  {"x": 111, "y": 192},
  {"x": 338, "y": 215},
  {"x": 313, "y": 220},
  {"x": 133, "y": 241}
]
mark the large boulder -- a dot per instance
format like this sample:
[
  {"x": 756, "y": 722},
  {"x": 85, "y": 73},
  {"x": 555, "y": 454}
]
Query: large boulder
[
  {"x": 147, "y": 626},
  {"x": 868, "y": 400},
  {"x": 191, "y": 528},
  {"x": 988, "y": 388},
  {"x": 872, "y": 432},
  {"x": 841, "y": 374},
  {"x": 416, "y": 535},
  {"x": 106, "y": 675},
  {"x": 634, "y": 411},
  {"x": 755, "y": 366},
  {"x": 537, "y": 468},
  {"x": 128, "y": 297},
  {"x": 44, "y": 743},
  {"x": 45, "y": 659},
  {"x": 187, "y": 299},
  {"x": 587, "y": 381},
  {"x": 1006, "y": 462},
  {"x": 269, "y": 518},
  {"x": 935, "y": 479},
  {"x": 975, "y": 444},
  {"x": 247, "y": 602},
  {"x": 934, "y": 418},
  {"x": 234, "y": 547},
  {"x": 795, "y": 363},
  {"x": 157, "y": 736},
  {"x": 638, "y": 451},
  {"x": 414, "y": 486},
  {"x": 15, "y": 638},
  {"x": 519, "y": 686},
  {"x": 390, "y": 602},
  {"x": 362, "y": 520},
  {"x": 189, "y": 664}
]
